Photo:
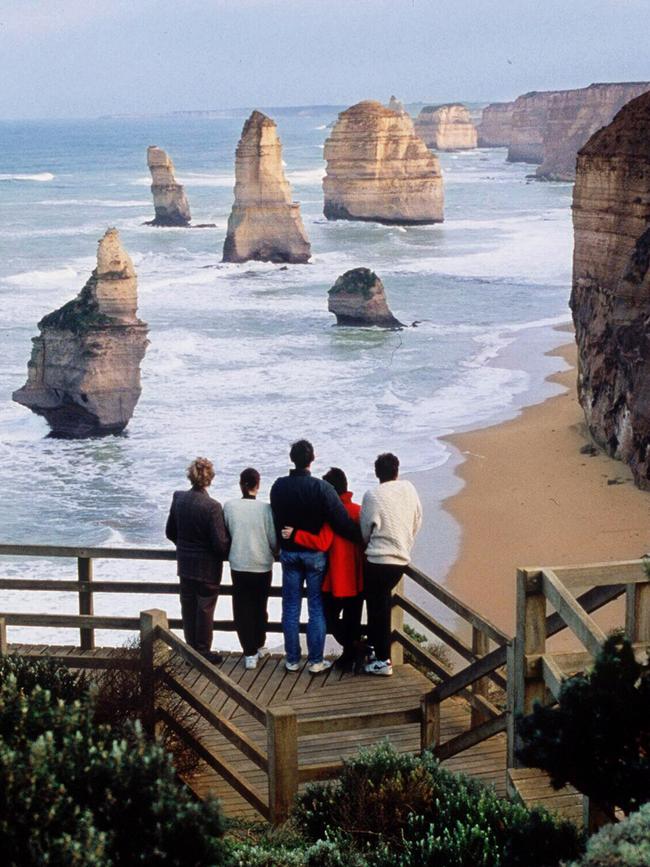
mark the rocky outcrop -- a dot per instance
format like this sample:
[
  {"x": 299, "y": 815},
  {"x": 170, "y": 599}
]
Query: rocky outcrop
[
  {"x": 495, "y": 128},
  {"x": 84, "y": 372},
  {"x": 446, "y": 127},
  {"x": 573, "y": 116},
  {"x": 358, "y": 298},
  {"x": 169, "y": 199},
  {"x": 378, "y": 169},
  {"x": 395, "y": 104},
  {"x": 529, "y": 118},
  {"x": 264, "y": 223},
  {"x": 610, "y": 299}
]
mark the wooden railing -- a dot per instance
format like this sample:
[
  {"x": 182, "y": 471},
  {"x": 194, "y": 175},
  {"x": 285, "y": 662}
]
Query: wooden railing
[{"x": 536, "y": 672}]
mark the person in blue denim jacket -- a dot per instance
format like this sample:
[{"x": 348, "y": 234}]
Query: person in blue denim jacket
[{"x": 304, "y": 502}]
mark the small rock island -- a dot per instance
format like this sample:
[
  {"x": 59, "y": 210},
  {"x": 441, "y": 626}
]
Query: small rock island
[
  {"x": 446, "y": 127},
  {"x": 264, "y": 224},
  {"x": 379, "y": 171},
  {"x": 169, "y": 199},
  {"x": 84, "y": 372},
  {"x": 358, "y": 298}
]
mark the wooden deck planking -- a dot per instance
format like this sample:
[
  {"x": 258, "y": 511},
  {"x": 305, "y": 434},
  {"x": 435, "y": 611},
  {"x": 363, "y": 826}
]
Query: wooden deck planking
[{"x": 533, "y": 787}]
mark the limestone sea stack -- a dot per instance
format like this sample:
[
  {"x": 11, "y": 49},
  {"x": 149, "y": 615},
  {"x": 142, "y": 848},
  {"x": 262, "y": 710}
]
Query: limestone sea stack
[
  {"x": 169, "y": 199},
  {"x": 529, "y": 118},
  {"x": 610, "y": 299},
  {"x": 395, "y": 104},
  {"x": 378, "y": 170},
  {"x": 358, "y": 298},
  {"x": 264, "y": 223},
  {"x": 573, "y": 116},
  {"x": 446, "y": 127},
  {"x": 84, "y": 372},
  {"x": 495, "y": 128}
]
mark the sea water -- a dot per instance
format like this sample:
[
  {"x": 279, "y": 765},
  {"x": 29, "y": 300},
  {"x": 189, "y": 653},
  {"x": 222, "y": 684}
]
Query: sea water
[{"x": 244, "y": 359}]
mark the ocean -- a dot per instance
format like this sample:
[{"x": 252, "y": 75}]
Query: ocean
[{"x": 244, "y": 359}]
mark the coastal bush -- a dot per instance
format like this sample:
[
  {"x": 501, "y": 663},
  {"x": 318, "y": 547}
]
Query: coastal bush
[
  {"x": 626, "y": 844},
  {"x": 74, "y": 792},
  {"x": 598, "y": 736},
  {"x": 405, "y": 810},
  {"x": 437, "y": 649}
]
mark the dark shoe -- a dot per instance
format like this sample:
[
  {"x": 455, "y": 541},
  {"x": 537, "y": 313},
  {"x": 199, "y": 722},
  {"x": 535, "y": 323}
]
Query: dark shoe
[
  {"x": 214, "y": 658},
  {"x": 345, "y": 662}
]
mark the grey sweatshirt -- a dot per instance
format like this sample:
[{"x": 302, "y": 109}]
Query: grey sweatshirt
[{"x": 251, "y": 528}]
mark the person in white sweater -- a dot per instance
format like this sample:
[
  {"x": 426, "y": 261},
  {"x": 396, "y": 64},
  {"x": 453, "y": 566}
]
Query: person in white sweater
[
  {"x": 391, "y": 516},
  {"x": 252, "y": 552}
]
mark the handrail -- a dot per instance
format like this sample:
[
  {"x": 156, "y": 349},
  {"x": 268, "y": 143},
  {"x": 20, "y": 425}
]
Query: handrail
[
  {"x": 59, "y": 585},
  {"x": 573, "y": 614},
  {"x": 91, "y": 553}
]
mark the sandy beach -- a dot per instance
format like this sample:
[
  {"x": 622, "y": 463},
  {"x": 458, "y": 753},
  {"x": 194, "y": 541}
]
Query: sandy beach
[{"x": 530, "y": 498}]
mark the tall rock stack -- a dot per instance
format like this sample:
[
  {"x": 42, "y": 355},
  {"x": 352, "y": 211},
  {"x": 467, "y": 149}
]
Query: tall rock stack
[
  {"x": 611, "y": 286},
  {"x": 169, "y": 199},
  {"x": 495, "y": 128},
  {"x": 395, "y": 104},
  {"x": 378, "y": 170},
  {"x": 264, "y": 223},
  {"x": 529, "y": 118},
  {"x": 446, "y": 127},
  {"x": 573, "y": 116},
  {"x": 84, "y": 372}
]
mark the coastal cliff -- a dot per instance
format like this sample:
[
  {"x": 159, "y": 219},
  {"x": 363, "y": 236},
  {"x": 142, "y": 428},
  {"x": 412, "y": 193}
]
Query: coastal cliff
[
  {"x": 446, "y": 127},
  {"x": 610, "y": 298},
  {"x": 573, "y": 116},
  {"x": 495, "y": 128},
  {"x": 358, "y": 298},
  {"x": 264, "y": 224},
  {"x": 169, "y": 199},
  {"x": 529, "y": 117},
  {"x": 84, "y": 372},
  {"x": 378, "y": 169}
]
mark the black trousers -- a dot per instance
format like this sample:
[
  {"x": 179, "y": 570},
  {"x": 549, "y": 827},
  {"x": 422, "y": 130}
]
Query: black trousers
[
  {"x": 343, "y": 618},
  {"x": 198, "y": 601},
  {"x": 379, "y": 581},
  {"x": 250, "y": 596}
]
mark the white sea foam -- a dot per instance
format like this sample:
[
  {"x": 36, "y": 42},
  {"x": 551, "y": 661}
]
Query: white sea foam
[
  {"x": 104, "y": 203},
  {"x": 43, "y": 279},
  {"x": 38, "y": 176}
]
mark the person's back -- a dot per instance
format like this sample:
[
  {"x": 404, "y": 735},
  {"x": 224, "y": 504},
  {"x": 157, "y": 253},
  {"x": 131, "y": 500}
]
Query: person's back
[
  {"x": 391, "y": 516},
  {"x": 301, "y": 500},
  {"x": 252, "y": 532}
]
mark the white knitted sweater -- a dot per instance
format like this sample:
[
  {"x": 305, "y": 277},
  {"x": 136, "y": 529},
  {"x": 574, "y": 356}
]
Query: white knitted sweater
[{"x": 391, "y": 515}]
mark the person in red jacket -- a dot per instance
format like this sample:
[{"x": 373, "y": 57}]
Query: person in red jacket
[{"x": 343, "y": 582}]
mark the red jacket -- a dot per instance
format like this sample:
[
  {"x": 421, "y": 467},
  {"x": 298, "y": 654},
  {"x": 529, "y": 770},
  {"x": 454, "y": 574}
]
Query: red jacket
[{"x": 344, "y": 575}]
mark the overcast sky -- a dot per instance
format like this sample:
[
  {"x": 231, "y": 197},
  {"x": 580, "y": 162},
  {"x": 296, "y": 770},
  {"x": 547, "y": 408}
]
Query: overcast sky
[{"x": 83, "y": 58}]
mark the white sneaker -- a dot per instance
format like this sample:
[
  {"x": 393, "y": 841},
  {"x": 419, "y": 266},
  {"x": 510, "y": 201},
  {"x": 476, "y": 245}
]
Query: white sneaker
[
  {"x": 319, "y": 667},
  {"x": 379, "y": 666},
  {"x": 250, "y": 662},
  {"x": 262, "y": 652},
  {"x": 291, "y": 666}
]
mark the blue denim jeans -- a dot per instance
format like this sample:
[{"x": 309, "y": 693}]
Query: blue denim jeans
[{"x": 298, "y": 568}]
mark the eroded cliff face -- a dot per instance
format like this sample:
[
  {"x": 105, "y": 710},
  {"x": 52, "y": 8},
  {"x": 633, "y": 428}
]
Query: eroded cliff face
[
  {"x": 573, "y": 116},
  {"x": 379, "y": 170},
  {"x": 446, "y": 127},
  {"x": 495, "y": 128},
  {"x": 84, "y": 372},
  {"x": 529, "y": 118},
  {"x": 610, "y": 299},
  {"x": 358, "y": 298},
  {"x": 169, "y": 199},
  {"x": 264, "y": 224}
]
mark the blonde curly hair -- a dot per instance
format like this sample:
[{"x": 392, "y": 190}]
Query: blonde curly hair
[{"x": 200, "y": 473}]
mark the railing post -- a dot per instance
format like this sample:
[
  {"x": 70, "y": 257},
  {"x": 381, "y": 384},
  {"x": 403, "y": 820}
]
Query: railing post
[
  {"x": 526, "y": 680},
  {"x": 429, "y": 721},
  {"x": 593, "y": 816},
  {"x": 282, "y": 744},
  {"x": 86, "y": 606},
  {"x": 3, "y": 637},
  {"x": 152, "y": 651},
  {"x": 396, "y": 624},
  {"x": 637, "y": 612},
  {"x": 480, "y": 647}
]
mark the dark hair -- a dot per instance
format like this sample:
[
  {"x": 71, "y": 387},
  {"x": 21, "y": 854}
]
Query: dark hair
[
  {"x": 337, "y": 479},
  {"x": 302, "y": 454},
  {"x": 387, "y": 467},
  {"x": 249, "y": 479}
]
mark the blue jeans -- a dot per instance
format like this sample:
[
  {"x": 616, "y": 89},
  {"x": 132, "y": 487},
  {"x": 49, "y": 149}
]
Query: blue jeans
[{"x": 299, "y": 567}]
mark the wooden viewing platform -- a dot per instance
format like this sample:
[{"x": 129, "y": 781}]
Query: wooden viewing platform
[{"x": 264, "y": 733}]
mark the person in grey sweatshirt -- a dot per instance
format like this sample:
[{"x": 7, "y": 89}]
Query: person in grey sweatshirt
[{"x": 252, "y": 551}]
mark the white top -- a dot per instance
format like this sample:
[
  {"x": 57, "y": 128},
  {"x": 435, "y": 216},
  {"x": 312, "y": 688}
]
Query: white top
[
  {"x": 391, "y": 515},
  {"x": 251, "y": 528}
]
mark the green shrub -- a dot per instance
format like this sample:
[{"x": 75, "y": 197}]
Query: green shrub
[
  {"x": 405, "y": 810},
  {"x": 626, "y": 844},
  {"x": 75, "y": 793},
  {"x": 598, "y": 737}
]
